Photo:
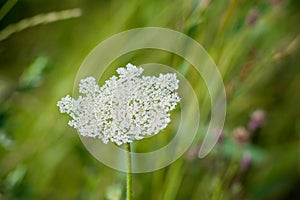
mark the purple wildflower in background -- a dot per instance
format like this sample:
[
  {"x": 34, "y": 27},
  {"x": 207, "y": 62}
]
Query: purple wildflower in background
[{"x": 257, "y": 120}]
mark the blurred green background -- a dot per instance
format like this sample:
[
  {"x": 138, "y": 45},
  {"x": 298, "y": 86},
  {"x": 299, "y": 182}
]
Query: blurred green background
[{"x": 256, "y": 46}]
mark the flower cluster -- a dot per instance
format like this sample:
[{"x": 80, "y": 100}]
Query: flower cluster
[{"x": 127, "y": 107}]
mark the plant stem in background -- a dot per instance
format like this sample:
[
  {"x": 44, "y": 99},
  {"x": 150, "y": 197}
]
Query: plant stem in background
[
  {"x": 129, "y": 175},
  {"x": 38, "y": 20},
  {"x": 6, "y": 8}
]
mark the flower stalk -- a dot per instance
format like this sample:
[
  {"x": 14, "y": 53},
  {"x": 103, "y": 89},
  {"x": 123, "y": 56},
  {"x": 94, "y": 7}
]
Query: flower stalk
[{"x": 129, "y": 172}]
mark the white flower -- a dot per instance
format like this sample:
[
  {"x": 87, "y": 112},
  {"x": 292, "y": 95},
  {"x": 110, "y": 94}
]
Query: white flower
[{"x": 126, "y": 108}]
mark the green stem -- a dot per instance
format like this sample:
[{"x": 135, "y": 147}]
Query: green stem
[
  {"x": 129, "y": 174},
  {"x": 7, "y": 7}
]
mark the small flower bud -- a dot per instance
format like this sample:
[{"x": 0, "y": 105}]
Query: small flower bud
[
  {"x": 275, "y": 2},
  {"x": 245, "y": 162},
  {"x": 253, "y": 16},
  {"x": 192, "y": 153},
  {"x": 240, "y": 135},
  {"x": 257, "y": 120},
  {"x": 220, "y": 138}
]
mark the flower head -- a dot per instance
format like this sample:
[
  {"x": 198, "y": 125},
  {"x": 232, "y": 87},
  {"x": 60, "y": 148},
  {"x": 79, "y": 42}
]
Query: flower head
[
  {"x": 258, "y": 119},
  {"x": 241, "y": 135},
  {"x": 245, "y": 162},
  {"x": 126, "y": 108}
]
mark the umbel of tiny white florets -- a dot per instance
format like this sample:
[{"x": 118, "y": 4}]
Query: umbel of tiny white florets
[{"x": 126, "y": 108}]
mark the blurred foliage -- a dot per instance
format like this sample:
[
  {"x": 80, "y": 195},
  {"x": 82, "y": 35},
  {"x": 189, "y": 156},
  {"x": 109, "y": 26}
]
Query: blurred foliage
[{"x": 256, "y": 47}]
